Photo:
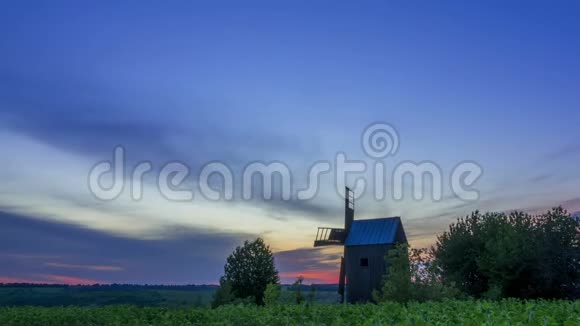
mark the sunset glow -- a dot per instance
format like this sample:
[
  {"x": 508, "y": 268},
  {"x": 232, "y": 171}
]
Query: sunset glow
[{"x": 143, "y": 143}]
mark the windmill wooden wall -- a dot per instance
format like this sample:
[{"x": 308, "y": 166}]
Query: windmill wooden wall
[{"x": 362, "y": 280}]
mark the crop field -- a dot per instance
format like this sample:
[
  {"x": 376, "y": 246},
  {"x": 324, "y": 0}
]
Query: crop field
[{"x": 506, "y": 312}]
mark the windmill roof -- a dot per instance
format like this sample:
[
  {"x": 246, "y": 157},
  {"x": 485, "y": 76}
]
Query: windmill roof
[{"x": 375, "y": 231}]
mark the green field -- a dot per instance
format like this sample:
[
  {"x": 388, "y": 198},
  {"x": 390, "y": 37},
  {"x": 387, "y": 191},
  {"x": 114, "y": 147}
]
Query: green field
[
  {"x": 135, "y": 295},
  {"x": 506, "y": 312},
  {"x": 87, "y": 296}
]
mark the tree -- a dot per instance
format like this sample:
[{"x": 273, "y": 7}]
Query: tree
[
  {"x": 558, "y": 244},
  {"x": 457, "y": 252},
  {"x": 297, "y": 290},
  {"x": 397, "y": 280},
  {"x": 272, "y": 294},
  {"x": 249, "y": 269},
  {"x": 497, "y": 255},
  {"x": 312, "y": 294},
  {"x": 412, "y": 275},
  {"x": 223, "y": 295}
]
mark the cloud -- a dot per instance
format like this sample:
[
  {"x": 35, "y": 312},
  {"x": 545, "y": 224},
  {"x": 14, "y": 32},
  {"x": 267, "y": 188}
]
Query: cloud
[
  {"x": 79, "y": 122},
  {"x": 60, "y": 192},
  {"x": 30, "y": 244},
  {"x": 313, "y": 209},
  {"x": 572, "y": 205},
  {"x": 540, "y": 178},
  {"x": 34, "y": 250},
  {"x": 316, "y": 265},
  {"x": 568, "y": 151},
  {"x": 75, "y": 116},
  {"x": 87, "y": 267},
  {"x": 85, "y": 117}
]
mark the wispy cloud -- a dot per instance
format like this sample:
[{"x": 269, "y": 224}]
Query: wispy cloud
[
  {"x": 570, "y": 150},
  {"x": 87, "y": 267},
  {"x": 540, "y": 178}
]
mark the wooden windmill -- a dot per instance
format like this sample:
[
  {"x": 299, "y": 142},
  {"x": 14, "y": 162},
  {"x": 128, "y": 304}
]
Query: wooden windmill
[{"x": 366, "y": 242}]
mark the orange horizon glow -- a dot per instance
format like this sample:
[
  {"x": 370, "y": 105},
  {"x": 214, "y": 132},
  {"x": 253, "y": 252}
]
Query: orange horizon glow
[{"x": 311, "y": 276}]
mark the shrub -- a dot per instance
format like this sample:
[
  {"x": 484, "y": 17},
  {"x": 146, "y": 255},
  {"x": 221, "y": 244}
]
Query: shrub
[
  {"x": 223, "y": 295},
  {"x": 412, "y": 275},
  {"x": 272, "y": 294},
  {"x": 297, "y": 290}
]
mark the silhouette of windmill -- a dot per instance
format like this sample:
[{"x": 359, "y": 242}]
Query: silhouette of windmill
[{"x": 366, "y": 242}]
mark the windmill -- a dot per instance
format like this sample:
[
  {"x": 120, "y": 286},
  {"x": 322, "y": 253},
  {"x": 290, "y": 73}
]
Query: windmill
[{"x": 366, "y": 242}]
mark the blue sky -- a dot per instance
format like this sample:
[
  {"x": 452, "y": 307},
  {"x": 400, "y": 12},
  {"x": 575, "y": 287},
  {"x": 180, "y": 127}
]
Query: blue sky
[{"x": 494, "y": 82}]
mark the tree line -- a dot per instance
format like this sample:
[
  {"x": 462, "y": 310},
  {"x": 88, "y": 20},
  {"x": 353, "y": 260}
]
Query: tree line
[{"x": 483, "y": 255}]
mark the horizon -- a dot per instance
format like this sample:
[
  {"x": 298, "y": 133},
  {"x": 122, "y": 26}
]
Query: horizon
[{"x": 483, "y": 97}]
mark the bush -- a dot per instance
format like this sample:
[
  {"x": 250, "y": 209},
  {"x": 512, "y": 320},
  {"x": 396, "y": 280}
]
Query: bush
[
  {"x": 223, "y": 295},
  {"x": 272, "y": 294},
  {"x": 297, "y": 290},
  {"x": 312, "y": 294}
]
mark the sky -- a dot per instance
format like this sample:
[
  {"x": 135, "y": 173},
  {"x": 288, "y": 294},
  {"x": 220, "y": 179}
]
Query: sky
[{"x": 495, "y": 83}]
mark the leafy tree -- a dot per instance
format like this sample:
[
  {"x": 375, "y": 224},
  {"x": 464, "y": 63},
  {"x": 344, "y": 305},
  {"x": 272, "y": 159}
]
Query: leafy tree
[
  {"x": 558, "y": 243},
  {"x": 497, "y": 255},
  {"x": 249, "y": 269},
  {"x": 412, "y": 275},
  {"x": 456, "y": 252}
]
